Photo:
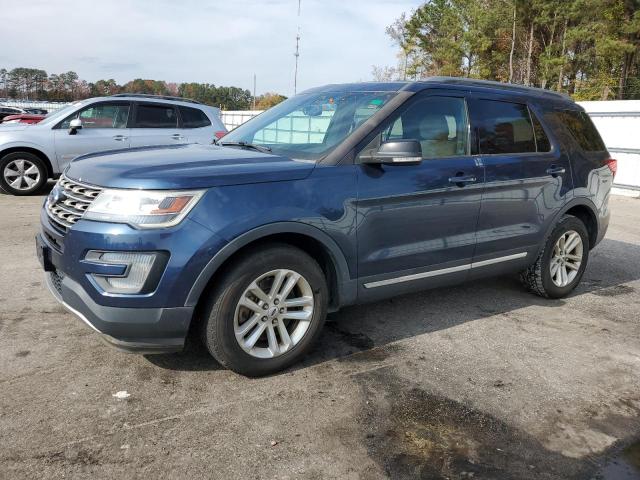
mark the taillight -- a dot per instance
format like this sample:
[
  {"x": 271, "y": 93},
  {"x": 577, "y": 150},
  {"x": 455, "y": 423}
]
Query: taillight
[
  {"x": 613, "y": 166},
  {"x": 219, "y": 134}
]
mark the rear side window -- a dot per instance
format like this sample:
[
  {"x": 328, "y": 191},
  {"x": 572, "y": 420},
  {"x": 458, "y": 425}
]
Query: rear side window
[
  {"x": 156, "y": 116},
  {"x": 504, "y": 127},
  {"x": 582, "y": 129},
  {"x": 193, "y": 118}
]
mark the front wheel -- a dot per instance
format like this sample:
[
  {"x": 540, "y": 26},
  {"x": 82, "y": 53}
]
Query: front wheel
[
  {"x": 562, "y": 262},
  {"x": 267, "y": 311},
  {"x": 22, "y": 173}
]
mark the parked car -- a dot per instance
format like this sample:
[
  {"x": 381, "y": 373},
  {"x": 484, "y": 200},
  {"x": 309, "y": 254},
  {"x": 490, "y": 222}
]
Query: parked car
[
  {"x": 343, "y": 194},
  {"x": 30, "y": 154},
  {"x": 22, "y": 118},
  {"x": 36, "y": 111},
  {"x": 6, "y": 111}
]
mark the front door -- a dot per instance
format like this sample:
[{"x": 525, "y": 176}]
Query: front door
[
  {"x": 156, "y": 124},
  {"x": 527, "y": 182},
  {"x": 104, "y": 127},
  {"x": 417, "y": 222}
]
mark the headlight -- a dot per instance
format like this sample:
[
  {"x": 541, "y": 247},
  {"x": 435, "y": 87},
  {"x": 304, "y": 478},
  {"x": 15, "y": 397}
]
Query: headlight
[{"x": 143, "y": 208}]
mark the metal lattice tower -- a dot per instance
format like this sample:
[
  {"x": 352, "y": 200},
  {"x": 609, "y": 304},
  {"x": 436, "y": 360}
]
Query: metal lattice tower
[{"x": 297, "y": 54}]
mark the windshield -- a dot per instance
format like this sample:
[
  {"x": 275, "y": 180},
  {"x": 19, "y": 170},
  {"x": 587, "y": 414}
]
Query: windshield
[
  {"x": 61, "y": 113},
  {"x": 309, "y": 126}
]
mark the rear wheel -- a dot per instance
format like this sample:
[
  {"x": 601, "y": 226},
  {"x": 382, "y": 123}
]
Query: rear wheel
[
  {"x": 267, "y": 311},
  {"x": 561, "y": 264},
  {"x": 22, "y": 173}
]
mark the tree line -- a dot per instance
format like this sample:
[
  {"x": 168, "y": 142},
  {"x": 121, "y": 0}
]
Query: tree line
[
  {"x": 35, "y": 84},
  {"x": 587, "y": 48}
]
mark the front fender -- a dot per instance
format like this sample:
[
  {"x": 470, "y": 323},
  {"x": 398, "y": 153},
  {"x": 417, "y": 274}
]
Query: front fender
[
  {"x": 347, "y": 288},
  {"x": 47, "y": 152}
]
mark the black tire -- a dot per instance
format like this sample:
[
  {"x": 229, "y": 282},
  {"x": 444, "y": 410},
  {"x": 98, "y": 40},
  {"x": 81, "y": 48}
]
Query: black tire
[
  {"x": 537, "y": 277},
  {"x": 30, "y": 157},
  {"x": 218, "y": 316}
]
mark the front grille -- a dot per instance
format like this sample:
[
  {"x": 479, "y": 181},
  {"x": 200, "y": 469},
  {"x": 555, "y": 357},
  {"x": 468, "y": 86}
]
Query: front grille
[
  {"x": 68, "y": 202},
  {"x": 57, "y": 245},
  {"x": 56, "y": 281}
]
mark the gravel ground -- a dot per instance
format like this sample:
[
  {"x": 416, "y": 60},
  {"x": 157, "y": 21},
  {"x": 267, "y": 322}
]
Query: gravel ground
[{"x": 479, "y": 381}]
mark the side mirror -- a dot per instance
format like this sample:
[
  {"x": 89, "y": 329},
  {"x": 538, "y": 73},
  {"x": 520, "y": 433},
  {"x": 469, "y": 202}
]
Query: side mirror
[
  {"x": 74, "y": 126},
  {"x": 396, "y": 152}
]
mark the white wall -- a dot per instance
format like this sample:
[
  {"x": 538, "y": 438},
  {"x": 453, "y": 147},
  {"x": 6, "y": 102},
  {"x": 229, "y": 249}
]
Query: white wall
[
  {"x": 618, "y": 122},
  {"x": 234, "y": 118}
]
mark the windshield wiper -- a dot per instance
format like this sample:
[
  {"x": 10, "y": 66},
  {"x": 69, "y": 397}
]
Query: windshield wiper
[{"x": 253, "y": 146}]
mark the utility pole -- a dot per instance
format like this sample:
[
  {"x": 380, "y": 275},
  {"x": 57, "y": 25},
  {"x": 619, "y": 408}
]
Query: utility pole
[
  {"x": 297, "y": 54},
  {"x": 254, "y": 91}
]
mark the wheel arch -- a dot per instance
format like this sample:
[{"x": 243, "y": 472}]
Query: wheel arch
[
  {"x": 585, "y": 210},
  {"x": 588, "y": 217},
  {"x": 313, "y": 241},
  {"x": 38, "y": 153}
]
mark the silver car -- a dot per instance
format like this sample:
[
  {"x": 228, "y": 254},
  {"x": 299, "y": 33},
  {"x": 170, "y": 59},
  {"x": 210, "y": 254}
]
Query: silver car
[{"x": 30, "y": 154}]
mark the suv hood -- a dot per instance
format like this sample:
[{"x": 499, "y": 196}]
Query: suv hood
[{"x": 184, "y": 167}]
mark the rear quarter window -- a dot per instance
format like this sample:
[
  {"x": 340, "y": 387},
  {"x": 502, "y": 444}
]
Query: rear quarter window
[
  {"x": 582, "y": 129},
  {"x": 193, "y": 118}
]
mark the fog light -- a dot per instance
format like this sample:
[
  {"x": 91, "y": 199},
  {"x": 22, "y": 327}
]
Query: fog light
[{"x": 137, "y": 267}]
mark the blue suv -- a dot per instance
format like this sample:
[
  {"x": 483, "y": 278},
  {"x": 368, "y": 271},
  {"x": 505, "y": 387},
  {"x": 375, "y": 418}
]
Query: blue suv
[{"x": 343, "y": 194}]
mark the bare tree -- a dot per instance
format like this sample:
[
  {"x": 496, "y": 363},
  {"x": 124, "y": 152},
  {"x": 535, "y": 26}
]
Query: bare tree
[{"x": 513, "y": 44}]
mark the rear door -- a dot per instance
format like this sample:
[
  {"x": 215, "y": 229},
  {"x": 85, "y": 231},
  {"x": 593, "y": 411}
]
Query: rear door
[
  {"x": 104, "y": 127},
  {"x": 527, "y": 181},
  {"x": 417, "y": 222},
  {"x": 156, "y": 124}
]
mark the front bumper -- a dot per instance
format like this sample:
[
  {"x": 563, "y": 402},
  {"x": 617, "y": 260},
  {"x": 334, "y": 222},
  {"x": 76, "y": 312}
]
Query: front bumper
[{"x": 139, "y": 330}]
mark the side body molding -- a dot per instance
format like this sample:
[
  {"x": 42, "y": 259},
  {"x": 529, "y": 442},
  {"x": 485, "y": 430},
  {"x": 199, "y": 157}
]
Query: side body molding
[{"x": 346, "y": 286}]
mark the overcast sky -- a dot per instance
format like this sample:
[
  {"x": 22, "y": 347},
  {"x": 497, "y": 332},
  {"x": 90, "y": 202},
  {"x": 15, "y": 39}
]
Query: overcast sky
[{"x": 220, "y": 42}]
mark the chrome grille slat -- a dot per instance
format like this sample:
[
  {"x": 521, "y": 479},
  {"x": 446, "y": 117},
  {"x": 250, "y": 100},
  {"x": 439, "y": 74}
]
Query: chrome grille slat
[
  {"x": 68, "y": 209},
  {"x": 77, "y": 198},
  {"x": 59, "y": 221},
  {"x": 71, "y": 207}
]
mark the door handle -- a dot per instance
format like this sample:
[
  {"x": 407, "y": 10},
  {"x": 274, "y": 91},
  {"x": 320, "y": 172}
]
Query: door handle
[
  {"x": 555, "y": 171},
  {"x": 461, "y": 180},
  {"x": 177, "y": 136},
  {"x": 120, "y": 138}
]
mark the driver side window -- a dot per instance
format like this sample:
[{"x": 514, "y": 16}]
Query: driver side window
[
  {"x": 101, "y": 115},
  {"x": 439, "y": 124}
]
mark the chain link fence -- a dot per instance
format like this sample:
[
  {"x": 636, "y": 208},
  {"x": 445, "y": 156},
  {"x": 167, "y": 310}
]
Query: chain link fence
[{"x": 48, "y": 106}]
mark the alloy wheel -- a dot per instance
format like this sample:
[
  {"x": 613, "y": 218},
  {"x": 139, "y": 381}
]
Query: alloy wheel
[
  {"x": 274, "y": 313},
  {"x": 21, "y": 174},
  {"x": 567, "y": 258}
]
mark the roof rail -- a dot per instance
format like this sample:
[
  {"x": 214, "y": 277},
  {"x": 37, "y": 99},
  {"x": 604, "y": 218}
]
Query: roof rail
[
  {"x": 500, "y": 85},
  {"x": 159, "y": 97}
]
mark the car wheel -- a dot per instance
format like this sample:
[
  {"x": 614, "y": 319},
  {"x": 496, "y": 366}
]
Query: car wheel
[
  {"x": 267, "y": 311},
  {"x": 562, "y": 262},
  {"x": 22, "y": 173}
]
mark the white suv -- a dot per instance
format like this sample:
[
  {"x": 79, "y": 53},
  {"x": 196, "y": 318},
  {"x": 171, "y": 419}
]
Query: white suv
[{"x": 30, "y": 154}]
